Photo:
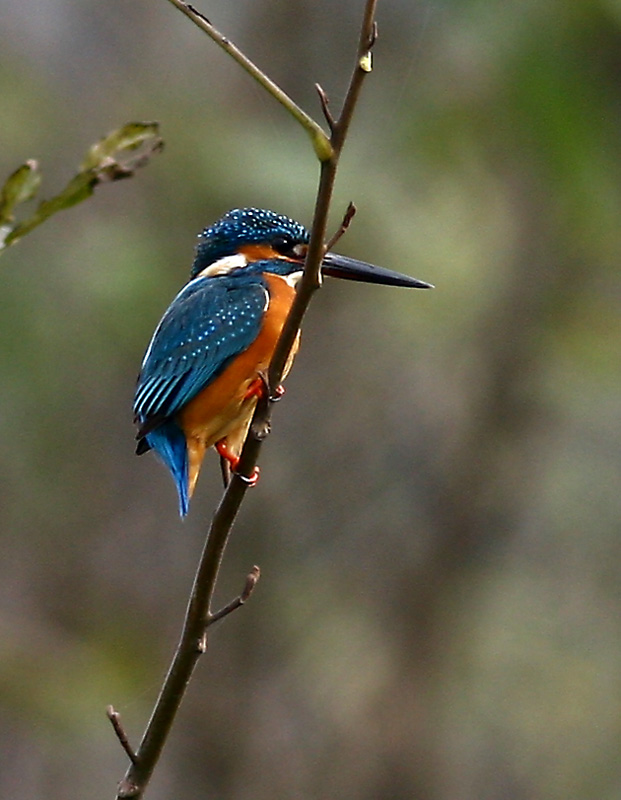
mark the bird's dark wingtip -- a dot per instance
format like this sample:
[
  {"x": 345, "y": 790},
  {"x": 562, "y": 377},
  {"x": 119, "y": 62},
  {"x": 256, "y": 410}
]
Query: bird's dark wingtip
[{"x": 142, "y": 447}]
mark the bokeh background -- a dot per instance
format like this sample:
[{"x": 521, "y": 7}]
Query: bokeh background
[{"x": 439, "y": 511}]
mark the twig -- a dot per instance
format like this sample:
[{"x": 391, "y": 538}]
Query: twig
[
  {"x": 310, "y": 281},
  {"x": 321, "y": 143},
  {"x": 115, "y": 719},
  {"x": 251, "y": 581},
  {"x": 350, "y": 213},
  {"x": 198, "y": 615},
  {"x": 108, "y": 160},
  {"x": 325, "y": 107},
  {"x": 191, "y": 645}
]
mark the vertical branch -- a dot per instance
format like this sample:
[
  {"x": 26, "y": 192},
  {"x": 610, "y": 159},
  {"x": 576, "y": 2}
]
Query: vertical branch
[
  {"x": 198, "y": 615},
  {"x": 311, "y": 280}
]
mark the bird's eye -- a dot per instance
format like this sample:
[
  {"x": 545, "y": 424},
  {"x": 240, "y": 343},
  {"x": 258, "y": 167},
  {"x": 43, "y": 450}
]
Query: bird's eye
[{"x": 283, "y": 244}]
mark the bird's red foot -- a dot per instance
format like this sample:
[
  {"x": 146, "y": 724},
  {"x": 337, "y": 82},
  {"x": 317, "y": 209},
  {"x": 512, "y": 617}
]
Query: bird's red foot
[
  {"x": 226, "y": 454},
  {"x": 233, "y": 461},
  {"x": 259, "y": 388},
  {"x": 256, "y": 389}
]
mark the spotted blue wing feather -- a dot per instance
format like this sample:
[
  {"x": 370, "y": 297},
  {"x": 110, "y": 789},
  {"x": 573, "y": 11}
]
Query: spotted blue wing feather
[{"x": 211, "y": 321}]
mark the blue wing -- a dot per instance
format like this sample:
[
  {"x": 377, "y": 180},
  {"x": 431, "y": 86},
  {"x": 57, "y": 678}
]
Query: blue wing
[{"x": 209, "y": 322}]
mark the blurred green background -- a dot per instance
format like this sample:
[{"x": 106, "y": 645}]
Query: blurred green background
[{"x": 439, "y": 511}]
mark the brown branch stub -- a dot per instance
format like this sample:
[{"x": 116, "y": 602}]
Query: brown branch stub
[
  {"x": 325, "y": 107},
  {"x": 117, "y": 725},
  {"x": 252, "y": 578},
  {"x": 373, "y": 35},
  {"x": 347, "y": 218},
  {"x": 251, "y": 581}
]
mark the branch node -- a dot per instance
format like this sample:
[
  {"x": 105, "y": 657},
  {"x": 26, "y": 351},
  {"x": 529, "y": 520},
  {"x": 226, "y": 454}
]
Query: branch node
[
  {"x": 127, "y": 789},
  {"x": 117, "y": 725},
  {"x": 366, "y": 62},
  {"x": 261, "y": 429}
]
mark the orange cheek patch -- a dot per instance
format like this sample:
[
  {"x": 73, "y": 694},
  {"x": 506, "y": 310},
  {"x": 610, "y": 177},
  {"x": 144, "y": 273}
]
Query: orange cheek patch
[{"x": 260, "y": 252}]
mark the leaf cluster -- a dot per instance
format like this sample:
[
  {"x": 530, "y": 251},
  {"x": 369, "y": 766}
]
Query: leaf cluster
[{"x": 114, "y": 157}]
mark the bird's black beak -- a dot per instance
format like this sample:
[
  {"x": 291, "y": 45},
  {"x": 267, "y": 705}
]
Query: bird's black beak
[{"x": 352, "y": 270}]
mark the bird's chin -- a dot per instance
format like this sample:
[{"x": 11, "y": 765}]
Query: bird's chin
[{"x": 224, "y": 265}]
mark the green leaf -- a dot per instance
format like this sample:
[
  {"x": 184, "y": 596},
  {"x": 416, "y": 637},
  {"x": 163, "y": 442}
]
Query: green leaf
[
  {"x": 100, "y": 164},
  {"x": 129, "y": 137},
  {"x": 19, "y": 187}
]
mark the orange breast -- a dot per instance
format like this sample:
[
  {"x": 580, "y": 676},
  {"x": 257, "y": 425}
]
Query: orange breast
[{"x": 222, "y": 408}]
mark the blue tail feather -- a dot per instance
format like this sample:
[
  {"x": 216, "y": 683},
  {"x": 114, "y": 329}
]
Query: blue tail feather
[{"x": 168, "y": 441}]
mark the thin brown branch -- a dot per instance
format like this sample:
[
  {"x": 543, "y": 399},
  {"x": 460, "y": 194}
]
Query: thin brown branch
[
  {"x": 193, "y": 640},
  {"x": 321, "y": 143},
  {"x": 362, "y": 67},
  {"x": 325, "y": 107},
  {"x": 350, "y": 213},
  {"x": 311, "y": 279},
  {"x": 251, "y": 581},
  {"x": 190, "y": 647},
  {"x": 115, "y": 719}
]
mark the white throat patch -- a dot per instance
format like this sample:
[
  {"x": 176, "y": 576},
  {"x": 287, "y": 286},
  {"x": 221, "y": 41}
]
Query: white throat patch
[
  {"x": 223, "y": 266},
  {"x": 293, "y": 278}
]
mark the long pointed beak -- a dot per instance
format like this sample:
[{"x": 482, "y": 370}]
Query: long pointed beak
[{"x": 352, "y": 270}]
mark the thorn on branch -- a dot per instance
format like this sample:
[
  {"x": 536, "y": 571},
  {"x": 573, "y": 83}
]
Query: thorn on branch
[
  {"x": 347, "y": 218},
  {"x": 251, "y": 581},
  {"x": 252, "y": 578},
  {"x": 325, "y": 107},
  {"x": 373, "y": 36},
  {"x": 115, "y": 719}
]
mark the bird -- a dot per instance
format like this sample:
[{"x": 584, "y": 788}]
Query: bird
[{"x": 204, "y": 368}]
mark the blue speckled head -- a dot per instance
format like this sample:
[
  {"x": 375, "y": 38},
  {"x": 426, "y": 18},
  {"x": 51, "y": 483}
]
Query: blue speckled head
[{"x": 243, "y": 226}]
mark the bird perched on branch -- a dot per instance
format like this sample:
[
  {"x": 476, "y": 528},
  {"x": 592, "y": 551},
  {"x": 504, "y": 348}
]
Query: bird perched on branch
[{"x": 205, "y": 367}]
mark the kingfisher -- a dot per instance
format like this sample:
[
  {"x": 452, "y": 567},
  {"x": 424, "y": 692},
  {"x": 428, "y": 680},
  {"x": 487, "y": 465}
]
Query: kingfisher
[{"x": 205, "y": 367}]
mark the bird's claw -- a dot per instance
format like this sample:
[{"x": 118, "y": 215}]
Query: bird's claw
[
  {"x": 260, "y": 387},
  {"x": 277, "y": 393},
  {"x": 233, "y": 461},
  {"x": 250, "y": 480}
]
